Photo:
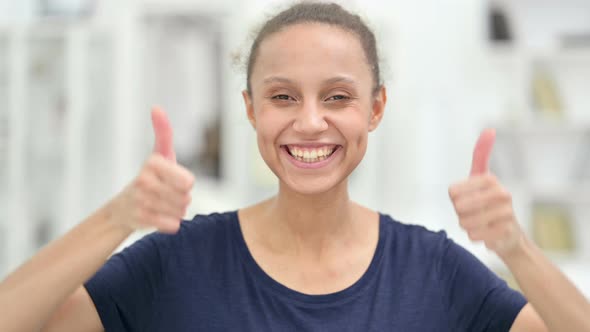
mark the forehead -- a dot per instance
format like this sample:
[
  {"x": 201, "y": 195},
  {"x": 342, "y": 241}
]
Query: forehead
[{"x": 311, "y": 51}]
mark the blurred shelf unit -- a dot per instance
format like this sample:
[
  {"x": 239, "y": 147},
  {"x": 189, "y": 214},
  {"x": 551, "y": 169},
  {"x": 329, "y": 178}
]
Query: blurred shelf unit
[
  {"x": 540, "y": 51},
  {"x": 543, "y": 86},
  {"x": 75, "y": 97},
  {"x": 543, "y": 153},
  {"x": 46, "y": 72},
  {"x": 547, "y": 162},
  {"x": 74, "y": 113},
  {"x": 541, "y": 78}
]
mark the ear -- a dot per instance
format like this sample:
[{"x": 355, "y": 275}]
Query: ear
[
  {"x": 249, "y": 108},
  {"x": 378, "y": 108}
]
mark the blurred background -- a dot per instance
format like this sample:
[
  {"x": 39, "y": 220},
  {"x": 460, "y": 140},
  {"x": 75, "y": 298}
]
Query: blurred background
[{"x": 78, "y": 78}]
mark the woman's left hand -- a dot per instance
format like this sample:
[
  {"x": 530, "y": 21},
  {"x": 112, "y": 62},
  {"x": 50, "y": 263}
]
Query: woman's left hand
[{"x": 483, "y": 205}]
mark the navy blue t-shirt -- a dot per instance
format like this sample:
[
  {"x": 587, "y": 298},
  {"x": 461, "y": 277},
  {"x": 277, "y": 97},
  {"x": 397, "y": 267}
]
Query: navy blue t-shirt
[{"x": 204, "y": 279}]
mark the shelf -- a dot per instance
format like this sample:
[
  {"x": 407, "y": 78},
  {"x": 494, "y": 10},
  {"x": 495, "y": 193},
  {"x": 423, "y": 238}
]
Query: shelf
[
  {"x": 570, "y": 196},
  {"x": 543, "y": 154},
  {"x": 511, "y": 52},
  {"x": 543, "y": 126}
]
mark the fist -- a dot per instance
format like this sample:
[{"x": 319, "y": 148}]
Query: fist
[
  {"x": 483, "y": 205},
  {"x": 160, "y": 194}
]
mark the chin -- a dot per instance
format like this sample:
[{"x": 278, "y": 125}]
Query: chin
[{"x": 313, "y": 187}]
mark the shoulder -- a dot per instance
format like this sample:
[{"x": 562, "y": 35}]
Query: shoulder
[
  {"x": 198, "y": 233},
  {"x": 413, "y": 247},
  {"x": 412, "y": 235},
  {"x": 207, "y": 223},
  {"x": 206, "y": 229},
  {"x": 200, "y": 244}
]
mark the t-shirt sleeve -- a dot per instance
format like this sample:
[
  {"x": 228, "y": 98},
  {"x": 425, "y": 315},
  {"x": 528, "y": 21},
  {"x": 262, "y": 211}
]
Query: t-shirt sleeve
[
  {"x": 477, "y": 299},
  {"x": 124, "y": 289}
]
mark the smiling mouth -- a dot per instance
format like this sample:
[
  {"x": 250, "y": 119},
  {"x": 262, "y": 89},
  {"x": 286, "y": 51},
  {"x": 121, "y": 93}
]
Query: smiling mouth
[{"x": 311, "y": 155}]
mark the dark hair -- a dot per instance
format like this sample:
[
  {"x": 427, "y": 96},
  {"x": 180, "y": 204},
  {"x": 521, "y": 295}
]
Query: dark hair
[{"x": 314, "y": 12}]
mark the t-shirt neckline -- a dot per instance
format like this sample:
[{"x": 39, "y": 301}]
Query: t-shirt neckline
[{"x": 265, "y": 280}]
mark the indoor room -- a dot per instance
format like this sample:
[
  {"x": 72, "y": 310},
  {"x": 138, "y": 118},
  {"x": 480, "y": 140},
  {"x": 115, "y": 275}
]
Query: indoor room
[{"x": 79, "y": 80}]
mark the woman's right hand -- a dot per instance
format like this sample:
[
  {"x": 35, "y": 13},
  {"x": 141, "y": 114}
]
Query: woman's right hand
[
  {"x": 33, "y": 297},
  {"x": 160, "y": 194}
]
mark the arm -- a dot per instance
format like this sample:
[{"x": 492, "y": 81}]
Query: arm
[
  {"x": 556, "y": 300},
  {"x": 77, "y": 313},
  {"x": 485, "y": 211},
  {"x": 30, "y": 294},
  {"x": 36, "y": 292}
]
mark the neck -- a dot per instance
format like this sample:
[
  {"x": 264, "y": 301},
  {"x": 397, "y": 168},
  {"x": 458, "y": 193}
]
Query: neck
[{"x": 311, "y": 221}]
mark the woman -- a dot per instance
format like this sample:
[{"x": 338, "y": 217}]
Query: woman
[{"x": 308, "y": 259}]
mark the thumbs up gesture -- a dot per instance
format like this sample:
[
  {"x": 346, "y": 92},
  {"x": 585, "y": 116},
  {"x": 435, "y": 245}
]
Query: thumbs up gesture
[
  {"x": 160, "y": 194},
  {"x": 483, "y": 205}
]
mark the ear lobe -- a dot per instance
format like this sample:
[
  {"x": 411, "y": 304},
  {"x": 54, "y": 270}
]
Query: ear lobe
[
  {"x": 249, "y": 108},
  {"x": 378, "y": 108}
]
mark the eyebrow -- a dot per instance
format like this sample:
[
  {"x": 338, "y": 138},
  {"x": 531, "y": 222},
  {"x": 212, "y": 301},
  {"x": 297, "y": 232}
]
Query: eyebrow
[
  {"x": 336, "y": 79},
  {"x": 340, "y": 79},
  {"x": 276, "y": 79}
]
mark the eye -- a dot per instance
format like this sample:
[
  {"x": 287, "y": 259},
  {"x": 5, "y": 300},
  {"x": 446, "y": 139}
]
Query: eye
[
  {"x": 282, "y": 97},
  {"x": 338, "y": 97}
]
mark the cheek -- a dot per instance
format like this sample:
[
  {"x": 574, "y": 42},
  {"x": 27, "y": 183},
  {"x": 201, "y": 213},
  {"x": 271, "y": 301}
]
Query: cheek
[
  {"x": 361, "y": 142},
  {"x": 269, "y": 124},
  {"x": 354, "y": 126}
]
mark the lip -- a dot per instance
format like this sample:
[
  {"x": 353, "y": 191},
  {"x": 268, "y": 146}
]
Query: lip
[
  {"x": 310, "y": 145},
  {"x": 319, "y": 164}
]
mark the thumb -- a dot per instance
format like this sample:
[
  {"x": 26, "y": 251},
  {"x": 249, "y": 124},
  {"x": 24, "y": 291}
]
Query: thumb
[
  {"x": 482, "y": 152},
  {"x": 163, "y": 132}
]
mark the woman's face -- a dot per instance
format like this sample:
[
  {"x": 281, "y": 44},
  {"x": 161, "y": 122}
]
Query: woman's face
[{"x": 312, "y": 105}]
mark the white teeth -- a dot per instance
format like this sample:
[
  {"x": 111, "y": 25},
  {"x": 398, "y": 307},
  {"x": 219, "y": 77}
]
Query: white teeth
[
  {"x": 311, "y": 155},
  {"x": 321, "y": 152}
]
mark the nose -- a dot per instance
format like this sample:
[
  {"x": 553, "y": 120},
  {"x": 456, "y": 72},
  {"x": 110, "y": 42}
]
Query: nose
[{"x": 310, "y": 120}]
